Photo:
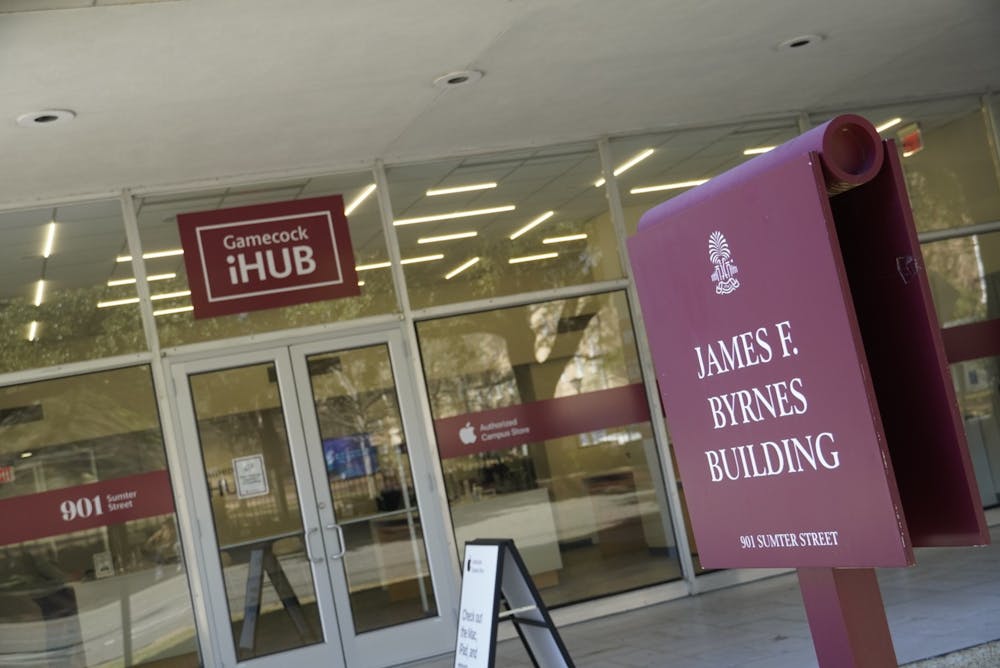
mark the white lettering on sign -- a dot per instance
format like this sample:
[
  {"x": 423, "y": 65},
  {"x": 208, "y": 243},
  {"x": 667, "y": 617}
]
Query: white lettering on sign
[
  {"x": 83, "y": 507},
  {"x": 778, "y": 399},
  {"x": 236, "y": 242},
  {"x": 95, "y": 506},
  {"x": 264, "y": 265}
]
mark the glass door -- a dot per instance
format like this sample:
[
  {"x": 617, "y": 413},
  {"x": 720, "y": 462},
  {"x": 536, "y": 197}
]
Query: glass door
[{"x": 312, "y": 512}]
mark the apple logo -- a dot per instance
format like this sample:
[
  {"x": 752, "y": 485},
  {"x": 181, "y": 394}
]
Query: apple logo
[{"x": 467, "y": 434}]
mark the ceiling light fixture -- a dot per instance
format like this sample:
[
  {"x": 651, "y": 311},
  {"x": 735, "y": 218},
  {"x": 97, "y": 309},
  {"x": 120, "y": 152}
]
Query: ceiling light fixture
[
  {"x": 171, "y": 295},
  {"x": 907, "y": 154},
  {"x": 454, "y": 214},
  {"x": 533, "y": 224},
  {"x": 33, "y": 331},
  {"x": 356, "y": 202},
  {"x": 50, "y": 239},
  {"x": 568, "y": 237},
  {"x": 118, "y": 302},
  {"x": 447, "y": 237},
  {"x": 758, "y": 150},
  {"x": 532, "y": 258},
  {"x": 627, "y": 165},
  {"x": 153, "y": 255},
  {"x": 25, "y": 455},
  {"x": 434, "y": 192},
  {"x": 423, "y": 258},
  {"x": 668, "y": 186},
  {"x": 150, "y": 279},
  {"x": 460, "y": 268},
  {"x": 45, "y": 117},
  {"x": 39, "y": 293},
  {"x": 891, "y": 123},
  {"x": 374, "y": 265},
  {"x": 171, "y": 311},
  {"x": 459, "y": 78},
  {"x": 800, "y": 42}
]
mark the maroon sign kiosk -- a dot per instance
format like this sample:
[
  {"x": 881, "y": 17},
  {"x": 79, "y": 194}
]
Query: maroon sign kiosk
[{"x": 801, "y": 369}]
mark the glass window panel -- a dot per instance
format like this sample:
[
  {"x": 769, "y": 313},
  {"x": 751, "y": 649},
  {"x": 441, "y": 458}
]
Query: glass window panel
[
  {"x": 158, "y": 229},
  {"x": 371, "y": 483},
  {"x": 952, "y": 179},
  {"x": 977, "y": 385},
  {"x": 964, "y": 276},
  {"x": 586, "y": 508},
  {"x": 545, "y": 198},
  {"x": 54, "y": 271},
  {"x": 114, "y": 593},
  {"x": 682, "y": 159},
  {"x": 255, "y": 508}
]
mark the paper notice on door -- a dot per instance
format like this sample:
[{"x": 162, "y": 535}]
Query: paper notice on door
[{"x": 251, "y": 477}]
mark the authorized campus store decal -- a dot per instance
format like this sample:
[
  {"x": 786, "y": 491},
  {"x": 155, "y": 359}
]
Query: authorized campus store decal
[
  {"x": 62, "y": 511},
  {"x": 268, "y": 255},
  {"x": 537, "y": 421}
]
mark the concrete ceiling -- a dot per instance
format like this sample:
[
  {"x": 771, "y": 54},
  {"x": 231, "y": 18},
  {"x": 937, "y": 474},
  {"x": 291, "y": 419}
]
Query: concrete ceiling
[{"x": 185, "y": 91}]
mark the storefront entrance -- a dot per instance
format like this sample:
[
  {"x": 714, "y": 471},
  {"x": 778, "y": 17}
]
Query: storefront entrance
[{"x": 311, "y": 488}]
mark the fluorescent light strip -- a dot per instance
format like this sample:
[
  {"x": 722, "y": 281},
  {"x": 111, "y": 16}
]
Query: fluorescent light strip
[
  {"x": 532, "y": 258},
  {"x": 171, "y": 311},
  {"x": 410, "y": 260},
  {"x": 424, "y": 258},
  {"x": 447, "y": 237},
  {"x": 891, "y": 123},
  {"x": 460, "y": 268},
  {"x": 50, "y": 239},
  {"x": 907, "y": 154},
  {"x": 360, "y": 283},
  {"x": 135, "y": 300},
  {"x": 152, "y": 256},
  {"x": 455, "y": 214},
  {"x": 537, "y": 221},
  {"x": 170, "y": 295},
  {"x": 374, "y": 265},
  {"x": 33, "y": 330},
  {"x": 131, "y": 281},
  {"x": 627, "y": 165},
  {"x": 39, "y": 293},
  {"x": 568, "y": 237},
  {"x": 758, "y": 150},
  {"x": 434, "y": 192},
  {"x": 356, "y": 202},
  {"x": 668, "y": 186},
  {"x": 118, "y": 302}
]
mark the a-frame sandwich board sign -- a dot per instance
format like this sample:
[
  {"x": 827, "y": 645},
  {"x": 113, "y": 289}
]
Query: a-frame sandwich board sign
[{"x": 496, "y": 586}]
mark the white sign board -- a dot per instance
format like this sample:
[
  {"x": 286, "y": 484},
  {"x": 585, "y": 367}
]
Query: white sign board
[
  {"x": 251, "y": 478},
  {"x": 478, "y": 608}
]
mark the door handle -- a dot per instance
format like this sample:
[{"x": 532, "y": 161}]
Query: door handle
[
  {"x": 340, "y": 538},
  {"x": 310, "y": 532}
]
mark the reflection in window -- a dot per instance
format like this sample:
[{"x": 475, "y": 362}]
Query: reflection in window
[
  {"x": 977, "y": 384},
  {"x": 80, "y": 585},
  {"x": 487, "y": 226},
  {"x": 584, "y": 506},
  {"x": 371, "y": 484},
  {"x": 63, "y": 296}
]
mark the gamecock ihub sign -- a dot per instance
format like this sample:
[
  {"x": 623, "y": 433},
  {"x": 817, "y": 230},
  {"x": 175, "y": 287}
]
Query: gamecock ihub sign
[{"x": 266, "y": 256}]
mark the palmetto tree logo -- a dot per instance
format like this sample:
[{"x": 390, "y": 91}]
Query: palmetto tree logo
[{"x": 725, "y": 272}]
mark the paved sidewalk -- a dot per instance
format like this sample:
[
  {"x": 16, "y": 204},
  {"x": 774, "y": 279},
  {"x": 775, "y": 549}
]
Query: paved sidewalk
[{"x": 949, "y": 601}]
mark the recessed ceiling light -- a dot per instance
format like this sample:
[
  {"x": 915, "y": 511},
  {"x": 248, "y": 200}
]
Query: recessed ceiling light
[
  {"x": 800, "y": 42},
  {"x": 533, "y": 224},
  {"x": 668, "y": 186},
  {"x": 45, "y": 117},
  {"x": 460, "y": 268},
  {"x": 454, "y": 214},
  {"x": 459, "y": 78},
  {"x": 758, "y": 150},
  {"x": 532, "y": 258},
  {"x": 433, "y": 192}
]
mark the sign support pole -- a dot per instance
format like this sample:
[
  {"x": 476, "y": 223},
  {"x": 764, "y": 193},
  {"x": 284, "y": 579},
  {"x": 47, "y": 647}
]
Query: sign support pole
[{"x": 847, "y": 618}]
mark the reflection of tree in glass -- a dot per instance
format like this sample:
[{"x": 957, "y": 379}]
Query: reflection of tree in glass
[{"x": 953, "y": 268}]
